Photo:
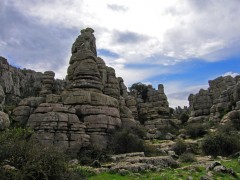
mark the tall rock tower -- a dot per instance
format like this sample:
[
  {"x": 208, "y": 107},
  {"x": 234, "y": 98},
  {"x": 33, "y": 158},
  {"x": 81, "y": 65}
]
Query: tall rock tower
[{"x": 89, "y": 109}]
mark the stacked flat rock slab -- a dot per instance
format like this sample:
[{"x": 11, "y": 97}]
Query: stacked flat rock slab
[
  {"x": 131, "y": 103},
  {"x": 83, "y": 71},
  {"x": 154, "y": 109},
  {"x": 58, "y": 125},
  {"x": 47, "y": 83},
  {"x": 200, "y": 105},
  {"x": 18, "y": 83},
  {"x": 98, "y": 111},
  {"x": 111, "y": 86},
  {"x": 155, "y": 106},
  {"x": 88, "y": 110},
  {"x": 25, "y": 108},
  {"x": 221, "y": 97}
]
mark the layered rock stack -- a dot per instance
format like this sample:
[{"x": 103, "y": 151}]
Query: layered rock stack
[
  {"x": 83, "y": 71},
  {"x": 200, "y": 105},
  {"x": 47, "y": 83},
  {"x": 89, "y": 79},
  {"x": 22, "y": 83},
  {"x": 88, "y": 110},
  {"x": 222, "y": 96},
  {"x": 151, "y": 108}
]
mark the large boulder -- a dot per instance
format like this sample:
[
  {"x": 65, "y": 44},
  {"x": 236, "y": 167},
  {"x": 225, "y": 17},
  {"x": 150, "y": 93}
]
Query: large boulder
[{"x": 4, "y": 121}]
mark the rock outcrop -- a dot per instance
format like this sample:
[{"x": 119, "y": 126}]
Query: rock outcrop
[
  {"x": 222, "y": 96},
  {"x": 4, "y": 121},
  {"x": 87, "y": 111},
  {"x": 22, "y": 83},
  {"x": 150, "y": 107}
]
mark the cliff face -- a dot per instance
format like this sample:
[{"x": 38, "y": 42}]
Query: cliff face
[
  {"x": 21, "y": 83},
  {"x": 222, "y": 96}
]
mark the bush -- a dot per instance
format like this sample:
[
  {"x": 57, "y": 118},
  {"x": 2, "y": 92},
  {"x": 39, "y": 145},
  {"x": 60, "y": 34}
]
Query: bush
[
  {"x": 179, "y": 147},
  {"x": 30, "y": 159},
  {"x": 220, "y": 144},
  {"x": 195, "y": 130},
  {"x": 184, "y": 117},
  {"x": 140, "y": 88},
  {"x": 126, "y": 141},
  {"x": 88, "y": 155},
  {"x": 226, "y": 128},
  {"x": 188, "y": 157}
]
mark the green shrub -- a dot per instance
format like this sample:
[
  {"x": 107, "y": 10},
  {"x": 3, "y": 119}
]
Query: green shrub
[
  {"x": 184, "y": 117},
  {"x": 179, "y": 147},
  {"x": 89, "y": 154},
  {"x": 31, "y": 160},
  {"x": 187, "y": 157},
  {"x": 195, "y": 130},
  {"x": 126, "y": 141},
  {"x": 140, "y": 131},
  {"x": 226, "y": 128},
  {"x": 140, "y": 88},
  {"x": 220, "y": 144}
]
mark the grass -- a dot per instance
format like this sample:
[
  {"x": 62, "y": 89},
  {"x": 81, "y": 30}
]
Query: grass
[{"x": 174, "y": 174}]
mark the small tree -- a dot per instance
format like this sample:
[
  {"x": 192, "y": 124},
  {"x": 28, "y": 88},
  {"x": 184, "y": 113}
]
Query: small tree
[
  {"x": 184, "y": 117},
  {"x": 140, "y": 88}
]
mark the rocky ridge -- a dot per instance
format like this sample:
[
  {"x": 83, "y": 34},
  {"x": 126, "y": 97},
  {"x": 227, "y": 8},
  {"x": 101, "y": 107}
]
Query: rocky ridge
[
  {"x": 222, "y": 97},
  {"x": 88, "y": 110}
]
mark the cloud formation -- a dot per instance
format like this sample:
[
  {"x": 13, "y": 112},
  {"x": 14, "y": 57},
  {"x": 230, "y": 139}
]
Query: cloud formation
[{"x": 141, "y": 39}]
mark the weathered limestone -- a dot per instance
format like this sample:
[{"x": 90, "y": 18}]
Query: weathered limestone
[
  {"x": 25, "y": 108},
  {"x": 4, "y": 121},
  {"x": 22, "y": 83},
  {"x": 47, "y": 83},
  {"x": 83, "y": 70},
  {"x": 200, "y": 105},
  {"x": 221, "y": 97},
  {"x": 156, "y": 104},
  {"x": 58, "y": 125},
  {"x": 137, "y": 162},
  {"x": 87, "y": 111},
  {"x": 111, "y": 86}
]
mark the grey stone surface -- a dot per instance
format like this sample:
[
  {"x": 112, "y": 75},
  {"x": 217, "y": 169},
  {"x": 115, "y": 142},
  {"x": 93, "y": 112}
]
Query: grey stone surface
[
  {"x": 221, "y": 97},
  {"x": 4, "y": 121}
]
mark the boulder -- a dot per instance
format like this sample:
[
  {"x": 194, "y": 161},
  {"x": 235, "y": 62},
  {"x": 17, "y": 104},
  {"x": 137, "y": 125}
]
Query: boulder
[{"x": 4, "y": 121}]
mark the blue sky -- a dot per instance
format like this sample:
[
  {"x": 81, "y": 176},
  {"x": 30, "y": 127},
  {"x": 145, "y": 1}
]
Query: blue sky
[{"x": 179, "y": 43}]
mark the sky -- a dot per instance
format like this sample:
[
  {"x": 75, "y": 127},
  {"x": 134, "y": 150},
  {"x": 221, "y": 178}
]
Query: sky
[{"x": 178, "y": 43}]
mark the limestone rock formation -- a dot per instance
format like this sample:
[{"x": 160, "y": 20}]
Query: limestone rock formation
[
  {"x": 22, "y": 83},
  {"x": 88, "y": 110},
  {"x": 150, "y": 106},
  {"x": 47, "y": 83},
  {"x": 25, "y": 108},
  {"x": 4, "y": 121},
  {"x": 221, "y": 97},
  {"x": 58, "y": 125}
]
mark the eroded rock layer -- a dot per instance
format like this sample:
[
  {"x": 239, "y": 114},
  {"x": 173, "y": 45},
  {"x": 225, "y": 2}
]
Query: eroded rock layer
[{"x": 222, "y": 96}]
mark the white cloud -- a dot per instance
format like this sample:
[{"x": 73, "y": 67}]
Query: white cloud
[
  {"x": 233, "y": 74},
  {"x": 161, "y": 33},
  {"x": 175, "y": 29}
]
